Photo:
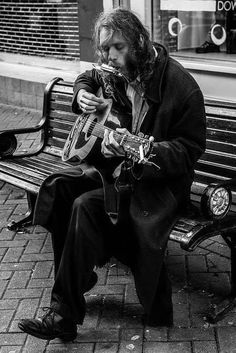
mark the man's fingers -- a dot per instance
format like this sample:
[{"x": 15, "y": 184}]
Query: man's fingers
[
  {"x": 88, "y": 102},
  {"x": 92, "y": 98}
]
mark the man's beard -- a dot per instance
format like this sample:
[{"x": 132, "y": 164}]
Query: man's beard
[
  {"x": 130, "y": 70},
  {"x": 131, "y": 67}
]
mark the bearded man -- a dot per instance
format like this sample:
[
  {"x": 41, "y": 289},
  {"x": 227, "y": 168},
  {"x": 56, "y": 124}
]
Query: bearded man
[{"x": 116, "y": 205}]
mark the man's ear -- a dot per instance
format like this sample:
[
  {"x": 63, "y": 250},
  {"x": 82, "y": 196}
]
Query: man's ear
[{"x": 141, "y": 39}]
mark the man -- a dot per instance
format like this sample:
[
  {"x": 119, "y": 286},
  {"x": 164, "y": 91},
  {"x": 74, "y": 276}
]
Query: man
[{"x": 77, "y": 206}]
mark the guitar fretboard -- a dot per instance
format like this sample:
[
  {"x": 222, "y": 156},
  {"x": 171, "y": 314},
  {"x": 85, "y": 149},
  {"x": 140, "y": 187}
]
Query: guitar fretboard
[{"x": 97, "y": 130}]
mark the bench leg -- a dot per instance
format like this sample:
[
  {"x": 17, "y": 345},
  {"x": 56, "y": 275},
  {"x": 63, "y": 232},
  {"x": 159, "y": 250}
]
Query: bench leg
[
  {"x": 217, "y": 311},
  {"x": 27, "y": 220}
]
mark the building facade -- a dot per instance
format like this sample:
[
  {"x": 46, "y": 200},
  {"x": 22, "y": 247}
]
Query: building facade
[{"x": 201, "y": 34}]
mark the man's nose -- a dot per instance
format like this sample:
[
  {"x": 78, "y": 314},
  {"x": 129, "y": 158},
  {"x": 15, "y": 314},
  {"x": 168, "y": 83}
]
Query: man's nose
[{"x": 112, "y": 56}]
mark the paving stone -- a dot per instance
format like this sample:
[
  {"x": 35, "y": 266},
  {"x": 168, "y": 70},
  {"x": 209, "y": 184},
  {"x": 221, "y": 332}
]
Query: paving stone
[
  {"x": 34, "y": 246},
  {"x": 19, "y": 279},
  {"x": 42, "y": 269},
  {"x": 64, "y": 348},
  {"x": 130, "y": 346},
  {"x": 41, "y": 283},
  {"x": 8, "y": 304},
  {"x": 97, "y": 335},
  {"x": 227, "y": 339},
  {"x": 34, "y": 345},
  {"x": 17, "y": 266},
  {"x": 156, "y": 334},
  {"x": 12, "y": 255},
  {"x": 10, "y": 349},
  {"x": 27, "y": 308},
  {"x": 12, "y": 339},
  {"x": 181, "y": 315},
  {"x": 202, "y": 347},
  {"x": 23, "y": 293},
  {"x": 106, "y": 348},
  {"x": 167, "y": 347},
  {"x": 191, "y": 334},
  {"x": 5, "y": 319},
  {"x": 197, "y": 263}
]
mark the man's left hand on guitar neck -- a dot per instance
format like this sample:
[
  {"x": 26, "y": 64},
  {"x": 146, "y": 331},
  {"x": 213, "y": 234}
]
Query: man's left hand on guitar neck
[{"x": 110, "y": 147}]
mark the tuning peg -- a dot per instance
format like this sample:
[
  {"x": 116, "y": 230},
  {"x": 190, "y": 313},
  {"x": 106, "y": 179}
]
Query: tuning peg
[{"x": 151, "y": 138}]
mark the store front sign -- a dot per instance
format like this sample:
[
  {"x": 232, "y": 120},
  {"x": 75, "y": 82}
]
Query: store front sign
[
  {"x": 188, "y": 5},
  {"x": 226, "y": 5}
]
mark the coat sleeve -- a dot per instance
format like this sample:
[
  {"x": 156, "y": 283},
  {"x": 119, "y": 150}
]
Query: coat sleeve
[
  {"x": 177, "y": 155},
  {"x": 90, "y": 81}
]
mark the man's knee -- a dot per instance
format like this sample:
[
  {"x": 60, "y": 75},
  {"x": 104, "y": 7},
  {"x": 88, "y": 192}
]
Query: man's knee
[{"x": 91, "y": 201}]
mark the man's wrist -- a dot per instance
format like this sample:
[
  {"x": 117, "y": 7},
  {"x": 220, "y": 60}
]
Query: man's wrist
[{"x": 79, "y": 95}]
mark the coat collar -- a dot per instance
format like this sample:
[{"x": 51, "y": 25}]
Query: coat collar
[{"x": 153, "y": 91}]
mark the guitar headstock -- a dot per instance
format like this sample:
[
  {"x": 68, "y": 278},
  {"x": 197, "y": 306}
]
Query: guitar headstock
[{"x": 136, "y": 147}]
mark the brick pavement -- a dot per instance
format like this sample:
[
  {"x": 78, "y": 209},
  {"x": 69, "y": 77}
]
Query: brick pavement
[{"x": 112, "y": 322}]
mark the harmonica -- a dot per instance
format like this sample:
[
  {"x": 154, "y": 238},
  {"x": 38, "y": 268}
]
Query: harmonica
[{"x": 110, "y": 69}]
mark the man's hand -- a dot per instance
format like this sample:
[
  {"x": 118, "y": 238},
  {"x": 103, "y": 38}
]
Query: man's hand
[
  {"x": 110, "y": 147},
  {"x": 89, "y": 103}
]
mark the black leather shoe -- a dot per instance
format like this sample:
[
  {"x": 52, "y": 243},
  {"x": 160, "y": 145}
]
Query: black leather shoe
[
  {"x": 49, "y": 327},
  {"x": 208, "y": 47}
]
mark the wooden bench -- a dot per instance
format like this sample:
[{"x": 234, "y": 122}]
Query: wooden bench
[{"x": 214, "y": 185}]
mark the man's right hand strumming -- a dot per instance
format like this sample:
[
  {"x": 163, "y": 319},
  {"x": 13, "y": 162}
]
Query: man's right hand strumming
[{"x": 89, "y": 102}]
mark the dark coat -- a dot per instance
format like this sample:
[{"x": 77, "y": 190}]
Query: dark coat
[{"x": 176, "y": 120}]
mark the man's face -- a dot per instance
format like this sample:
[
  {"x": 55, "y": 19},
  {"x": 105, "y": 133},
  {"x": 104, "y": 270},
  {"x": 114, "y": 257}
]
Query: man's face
[{"x": 116, "y": 52}]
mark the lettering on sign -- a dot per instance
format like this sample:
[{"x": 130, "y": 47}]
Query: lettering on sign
[{"x": 228, "y": 5}]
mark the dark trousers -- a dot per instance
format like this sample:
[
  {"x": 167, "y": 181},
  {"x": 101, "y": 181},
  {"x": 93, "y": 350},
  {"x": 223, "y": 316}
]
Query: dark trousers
[
  {"x": 84, "y": 237},
  {"x": 85, "y": 244}
]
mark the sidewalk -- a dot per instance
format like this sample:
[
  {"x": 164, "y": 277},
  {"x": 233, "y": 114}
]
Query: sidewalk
[{"x": 112, "y": 322}]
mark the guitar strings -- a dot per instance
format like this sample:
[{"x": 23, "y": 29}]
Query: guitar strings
[{"x": 99, "y": 128}]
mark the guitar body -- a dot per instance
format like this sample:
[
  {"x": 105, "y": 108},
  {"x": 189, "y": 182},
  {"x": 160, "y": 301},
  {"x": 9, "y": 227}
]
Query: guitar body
[{"x": 84, "y": 140}]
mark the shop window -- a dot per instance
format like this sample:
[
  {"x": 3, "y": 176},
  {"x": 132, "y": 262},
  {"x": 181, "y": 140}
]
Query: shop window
[
  {"x": 121, "y": 3},
  {"x": 201, "y": 28}
]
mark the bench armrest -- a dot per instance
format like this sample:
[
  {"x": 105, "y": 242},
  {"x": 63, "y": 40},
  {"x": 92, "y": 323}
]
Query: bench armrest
[
  {"x": 216, "y": 199},
  {"x": 8, "y": 140}
]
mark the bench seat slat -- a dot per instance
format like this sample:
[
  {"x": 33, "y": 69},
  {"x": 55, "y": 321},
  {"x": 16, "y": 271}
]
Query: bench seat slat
[
  {"x": 17, "y": 173},
  {"x": 220, "y": 158},
  {"x": 39, "y": 165},
  {"x": 62, "y": 116},
  {"x": 223, "y": 112},
  {"x": 221, "y": 135},
  {"x": 216, "y": 168},
  {"x": 221, "y": 123},
  {"x": 59, "y": 96},
  {"x": 24, "y": 184},
  {"x": 57, "y": 105},
  {"x": 61, "y": 125},
  {"x": 220, "y": 146}
]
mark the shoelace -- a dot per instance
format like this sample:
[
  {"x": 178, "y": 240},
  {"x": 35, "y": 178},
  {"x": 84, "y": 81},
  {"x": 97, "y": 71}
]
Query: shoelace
[{"x": 49, "y": 313}]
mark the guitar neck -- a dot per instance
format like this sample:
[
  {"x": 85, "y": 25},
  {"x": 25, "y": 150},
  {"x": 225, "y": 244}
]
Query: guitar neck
[{"x": 98, "y": 131}]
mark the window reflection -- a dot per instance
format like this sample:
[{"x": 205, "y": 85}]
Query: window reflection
[{"x": 199, "y": 26}]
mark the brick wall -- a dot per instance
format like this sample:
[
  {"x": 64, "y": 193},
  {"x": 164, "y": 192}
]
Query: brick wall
[{"x": 46, "y": 28}]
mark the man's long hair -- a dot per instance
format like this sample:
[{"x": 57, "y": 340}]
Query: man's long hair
[{"x": 132, "y": 30}]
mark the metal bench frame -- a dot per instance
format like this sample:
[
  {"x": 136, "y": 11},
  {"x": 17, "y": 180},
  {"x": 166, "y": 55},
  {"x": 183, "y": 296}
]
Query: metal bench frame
[{"x": 217, "y": 167}]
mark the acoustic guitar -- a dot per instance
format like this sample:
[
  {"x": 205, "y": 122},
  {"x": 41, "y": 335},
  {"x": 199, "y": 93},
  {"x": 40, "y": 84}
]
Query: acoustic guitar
[{"x": 84, "y": 139}]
